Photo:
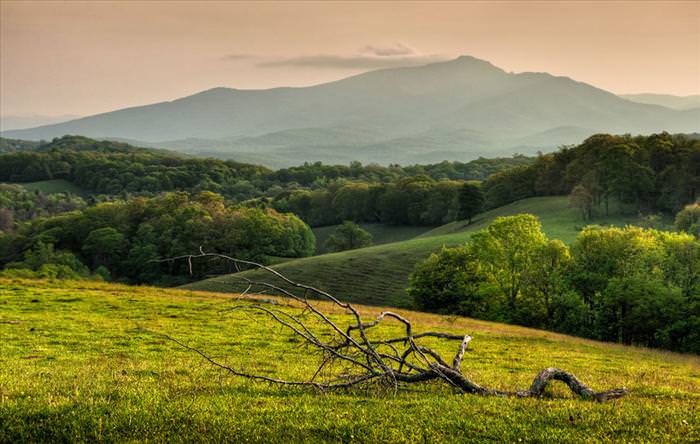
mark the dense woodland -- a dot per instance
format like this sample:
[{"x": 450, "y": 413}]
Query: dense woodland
[
  {"x": 123, "y": 240},
  {"x": 657, "y": 173},
  {"x": 630, "y": 285},
  {"x": 18, "y": 204},
  {"x": 318, "y": 193}
]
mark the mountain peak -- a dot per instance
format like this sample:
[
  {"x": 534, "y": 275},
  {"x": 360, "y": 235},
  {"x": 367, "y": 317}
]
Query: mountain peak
[{"x": 471, "y": 62}]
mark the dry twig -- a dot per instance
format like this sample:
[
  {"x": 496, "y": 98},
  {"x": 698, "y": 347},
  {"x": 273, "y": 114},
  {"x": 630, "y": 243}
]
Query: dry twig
[{"x": 393, "y": 361}]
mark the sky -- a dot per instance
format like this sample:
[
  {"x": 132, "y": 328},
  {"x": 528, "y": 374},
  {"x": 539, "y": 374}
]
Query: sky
[{"x": 81, "y": 58}]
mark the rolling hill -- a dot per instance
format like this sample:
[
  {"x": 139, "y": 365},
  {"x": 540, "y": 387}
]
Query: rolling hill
[
  {"x": 378, "y": 275},
  {"x": 87, "y": 362},
  {"x": 455, "y": 110}
]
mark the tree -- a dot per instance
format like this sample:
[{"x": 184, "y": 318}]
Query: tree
[
  {"x": 638, "y": 310},
  {"x": 546, "y": 280},
  {"x": 507, "y": 251},
  {"x": 688, "y": 219},
  {"x": 7, "y": 219},
  {"x": 471, "y": 201},
  {"x": 46, "y": 262},
  {"x": 449, "y": 282},
  {"x": 581, "y": 199},
  {"x": 104, "y": 245},
  {"x": 348, "y": 236}
]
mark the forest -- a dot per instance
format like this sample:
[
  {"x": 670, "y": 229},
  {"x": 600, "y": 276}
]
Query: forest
[
  {"x": 629, "y": 285},
  {"x": 656, "y": 173}
]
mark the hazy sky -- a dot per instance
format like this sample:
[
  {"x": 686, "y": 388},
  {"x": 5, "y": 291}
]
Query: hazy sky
[{"x": 62, "y": 57}]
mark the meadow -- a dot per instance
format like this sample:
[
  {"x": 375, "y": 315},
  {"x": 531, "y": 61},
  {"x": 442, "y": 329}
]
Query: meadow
[
  {"x": 86, "y": 361},
  {"x": 378, "y": 275},
  {"x": 53, "y": 186},
  {"x": 381, "y": 234}
]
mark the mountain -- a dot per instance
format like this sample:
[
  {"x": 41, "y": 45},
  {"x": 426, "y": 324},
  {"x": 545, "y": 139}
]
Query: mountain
[
  {"x": 15, "y": 122},
  {"x": 459, "y": 110},
  {"x": 669, "y": 101}
]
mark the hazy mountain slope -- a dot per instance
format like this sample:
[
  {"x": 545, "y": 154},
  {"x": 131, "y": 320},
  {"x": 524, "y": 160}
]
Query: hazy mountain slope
[
  {"x": 667, "y": 100},
  {"x": 450, "y": 110}
]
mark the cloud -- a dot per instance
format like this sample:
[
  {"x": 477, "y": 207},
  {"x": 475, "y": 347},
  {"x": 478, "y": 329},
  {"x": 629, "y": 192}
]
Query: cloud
[
  {"x": 234, "y": 56},
  {"x": 399, "y": 49},
  {"x": 365, "y": 60},
  {"x": 367, "y": 57}
]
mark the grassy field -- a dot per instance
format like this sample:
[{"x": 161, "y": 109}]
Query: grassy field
[
  {"x": 53, "y": 186},
  {"x": 378, "y": 275},
  {"x": 381, "y": 234},
  {"x": 83, "y": 361}
]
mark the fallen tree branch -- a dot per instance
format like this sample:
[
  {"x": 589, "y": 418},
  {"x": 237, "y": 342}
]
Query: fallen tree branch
[{"x": 391, "y": 361}]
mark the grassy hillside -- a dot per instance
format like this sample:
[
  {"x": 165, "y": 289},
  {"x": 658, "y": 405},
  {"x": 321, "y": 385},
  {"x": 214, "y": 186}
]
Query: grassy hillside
[
  {"x": 53, "y": 186},
  {"x": 381, "y": 234},
  {"x": 559, "y": 220},
  {"x": 81, "y": 361},
  {"x": 378, "y": 275}
]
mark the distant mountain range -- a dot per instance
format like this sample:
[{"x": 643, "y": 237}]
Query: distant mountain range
[
  {"x": 455, "y": 110},
  {"x": 669, "y": 101}
]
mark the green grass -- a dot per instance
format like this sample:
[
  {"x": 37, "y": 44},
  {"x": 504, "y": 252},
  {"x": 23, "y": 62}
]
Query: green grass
[
  {"x": 53, "y": 186},
  {"x": 79, "y": 362},
  {"x": 381, "y": 234},
  {"x": 378, "y": 275}
]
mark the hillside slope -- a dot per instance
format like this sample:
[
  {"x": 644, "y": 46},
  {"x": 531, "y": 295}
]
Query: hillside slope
[
  {"x": 379, "y": 275},
  {"x": 458, "y": 110},
  {"x": 84, "y": 361}
]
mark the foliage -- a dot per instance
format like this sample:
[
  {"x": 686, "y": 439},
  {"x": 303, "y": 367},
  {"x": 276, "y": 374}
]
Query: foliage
[
  {"x": 44, "y": 262},
  {"x": 630, "y": 285},
  {"x": 581, "y": 199},
  {"x": 348, "y": 236},
  {"x": 127, "y": 237},
  {"x": 471, "y": 201},
  {"x": 320, "y": 194},
  {"x": 656, "y": 173},
  {"x": 688, "y": 220},
  {"x": 449, "y": 282},
  {"x": 17, "y": 205}
]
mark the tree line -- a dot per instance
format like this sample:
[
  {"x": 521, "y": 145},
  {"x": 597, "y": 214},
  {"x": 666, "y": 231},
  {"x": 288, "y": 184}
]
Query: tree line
[
  {"x": 417, "y": 200},
  {"x": 656, "y": 173},
  {"x": 629, "y": 285},
  {"x": 314, "y": 191},
  {"x": 123, "y": 240},
  {"x": 18, "y": 204}
]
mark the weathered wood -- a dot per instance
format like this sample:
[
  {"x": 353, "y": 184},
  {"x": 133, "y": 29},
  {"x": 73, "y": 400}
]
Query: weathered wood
[{"x": 408, "y": 362}]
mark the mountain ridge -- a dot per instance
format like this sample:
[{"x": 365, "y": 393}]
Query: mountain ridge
[{"x": 381, "y": 114}]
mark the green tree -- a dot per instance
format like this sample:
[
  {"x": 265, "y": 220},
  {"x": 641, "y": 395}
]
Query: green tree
[
  {"x": 471, "y": 201},
  {"x": 688, "y": 220},
  {"x": 348, "y": 236},
  {"x": 507, "y": 250},
  {"x": 450, "y": 282},
  {"x": 546, "y": 281},
  {"x": 104, "y": 245},
  {"x": 47, "y": 262},
  {"x": 582, "y": 199}
]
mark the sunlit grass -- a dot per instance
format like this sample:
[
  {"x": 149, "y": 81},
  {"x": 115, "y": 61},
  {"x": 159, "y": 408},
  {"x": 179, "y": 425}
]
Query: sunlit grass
[{"x": 81, "y": 361}]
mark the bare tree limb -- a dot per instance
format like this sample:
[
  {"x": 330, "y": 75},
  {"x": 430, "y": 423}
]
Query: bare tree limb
[{"x": 390, "y": 361}]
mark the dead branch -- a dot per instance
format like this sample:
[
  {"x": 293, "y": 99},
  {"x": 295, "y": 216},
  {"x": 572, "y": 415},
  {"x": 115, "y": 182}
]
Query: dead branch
[{"x": 391, "y": 361}]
